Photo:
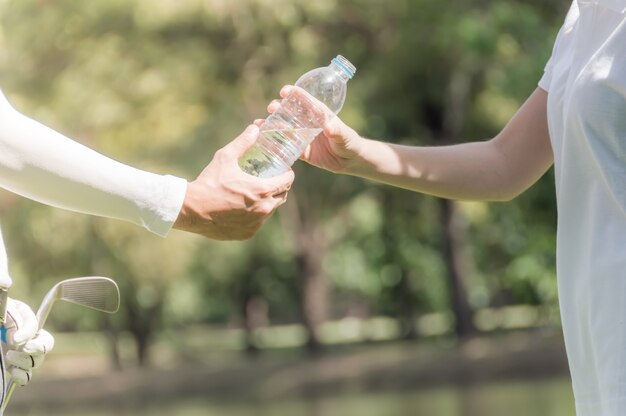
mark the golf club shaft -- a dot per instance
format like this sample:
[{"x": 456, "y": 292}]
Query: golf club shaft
[{"x": 4, "y": 297}]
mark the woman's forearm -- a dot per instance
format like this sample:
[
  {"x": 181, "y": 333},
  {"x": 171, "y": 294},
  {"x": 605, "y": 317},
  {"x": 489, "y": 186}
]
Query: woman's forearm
[
  {"x": 497, "y": 169},
  {"x": 466, "y": 171}
]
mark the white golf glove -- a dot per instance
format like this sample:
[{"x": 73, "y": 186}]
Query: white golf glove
[{"x": 23, "y": 348}]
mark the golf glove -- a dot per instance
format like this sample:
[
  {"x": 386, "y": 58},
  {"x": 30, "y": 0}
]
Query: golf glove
[{"x": 24, "y": 348}]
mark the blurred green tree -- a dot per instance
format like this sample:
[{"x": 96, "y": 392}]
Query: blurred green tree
[{"x": 162, "y": 85}]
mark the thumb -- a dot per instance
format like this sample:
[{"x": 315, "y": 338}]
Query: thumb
[
  {"x": 336, "y": 130},
  {"x": 244, "y": 141}
]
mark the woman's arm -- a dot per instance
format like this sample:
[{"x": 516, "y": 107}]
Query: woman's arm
[{"x": 496, "y": 169}]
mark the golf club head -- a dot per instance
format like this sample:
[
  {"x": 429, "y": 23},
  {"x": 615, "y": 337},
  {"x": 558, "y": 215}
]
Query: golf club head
[
  {"x": 99, "y": 293},
  {"x": 94, "y": 292}
]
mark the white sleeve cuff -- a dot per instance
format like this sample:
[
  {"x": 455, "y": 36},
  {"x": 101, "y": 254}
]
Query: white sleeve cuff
[{"x": 165, "y": 213}]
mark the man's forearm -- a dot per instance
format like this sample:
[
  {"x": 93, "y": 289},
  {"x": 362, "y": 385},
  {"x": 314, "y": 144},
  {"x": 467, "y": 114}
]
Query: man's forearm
[{"x": 42, "y": 164}]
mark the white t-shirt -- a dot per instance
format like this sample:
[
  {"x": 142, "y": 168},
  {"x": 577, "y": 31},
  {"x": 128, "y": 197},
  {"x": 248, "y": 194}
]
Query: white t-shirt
[
  {"x": 41, "y": 164},
  {"x": 586, "y": 83}
]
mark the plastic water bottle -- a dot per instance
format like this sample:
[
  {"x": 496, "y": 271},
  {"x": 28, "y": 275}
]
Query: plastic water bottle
[{"x": 318, "y": 96}]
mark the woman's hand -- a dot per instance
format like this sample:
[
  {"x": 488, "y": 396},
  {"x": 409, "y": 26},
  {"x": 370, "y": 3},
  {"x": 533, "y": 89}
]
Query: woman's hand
[{"x": 336, "y": 149}]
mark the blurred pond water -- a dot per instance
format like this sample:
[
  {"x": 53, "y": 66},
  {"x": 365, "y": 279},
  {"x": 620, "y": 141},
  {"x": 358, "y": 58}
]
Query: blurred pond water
[{"x": 512, "y": 398}]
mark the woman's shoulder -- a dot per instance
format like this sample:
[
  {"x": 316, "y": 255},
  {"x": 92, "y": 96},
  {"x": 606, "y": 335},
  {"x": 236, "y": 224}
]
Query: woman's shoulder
[
  {"x": 615, "y": 5},
  {"x": 572, "y": 17}
]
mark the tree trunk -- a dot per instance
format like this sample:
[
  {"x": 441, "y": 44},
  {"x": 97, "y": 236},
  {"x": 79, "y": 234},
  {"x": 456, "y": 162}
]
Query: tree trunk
[
  {"x": 142, "y": 340},
  {"x": 313, "y": 292},
  {"x": 142, "y": 322},
  {"x": 458, "y": 268},
  {"x": 458, "y": 262},
  {"x": 255, "y": 315},
  {"x": 402, "y": 291},
  {"x": 248, "y": 326},
  {"x": 143, "y": 330},
  {"x": 114, "y": 351},
  {"x": 310, "y": 245},
  {"x": 406, "y": 306},
  {"x": 99, "y": 250}
]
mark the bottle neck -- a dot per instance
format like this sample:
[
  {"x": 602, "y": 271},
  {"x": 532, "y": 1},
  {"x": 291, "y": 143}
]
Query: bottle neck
[{"x": 341, "y": 72}]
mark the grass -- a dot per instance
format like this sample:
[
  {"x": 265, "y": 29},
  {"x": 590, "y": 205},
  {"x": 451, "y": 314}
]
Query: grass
[{"x": 216, "y": 380}]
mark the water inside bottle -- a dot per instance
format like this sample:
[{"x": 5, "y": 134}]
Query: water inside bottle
[
  {"x": 276, "y": 150},
  {"x": 257, "y": 162},
  {"x": 289, "y": 143}
]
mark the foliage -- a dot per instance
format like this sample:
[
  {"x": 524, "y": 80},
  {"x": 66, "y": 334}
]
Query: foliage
[{"x": 162, "y": 84}]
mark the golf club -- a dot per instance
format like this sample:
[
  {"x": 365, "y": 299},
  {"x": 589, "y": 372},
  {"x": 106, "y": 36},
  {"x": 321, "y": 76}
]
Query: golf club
[{"x": 93, "y": 292}]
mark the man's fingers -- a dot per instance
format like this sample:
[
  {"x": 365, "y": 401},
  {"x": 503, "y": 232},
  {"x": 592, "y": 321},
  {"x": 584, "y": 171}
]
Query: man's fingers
[
  {"x": 280, "y": 184},
  {"x": 41, "y": 344},
  {"x": 259, "y": 122},
  {"x": 23, "y": 360},
  {"x": 280, "y": 199},
  {"x": 20, "y": 377}
]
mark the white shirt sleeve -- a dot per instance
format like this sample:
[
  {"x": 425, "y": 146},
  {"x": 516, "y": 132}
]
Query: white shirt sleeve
[
  {"x": 42, "y": 164},
  {"x": 546, "y": 79}
]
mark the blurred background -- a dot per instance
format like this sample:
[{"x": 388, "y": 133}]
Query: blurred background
[{"x": 356, "y": 298}]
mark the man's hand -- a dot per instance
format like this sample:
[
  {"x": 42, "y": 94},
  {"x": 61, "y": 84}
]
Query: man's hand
[
  {"x": 336, "y": 149},
  {"x": 225, "y": 203},
  {"x": 24, "y": 348}
]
